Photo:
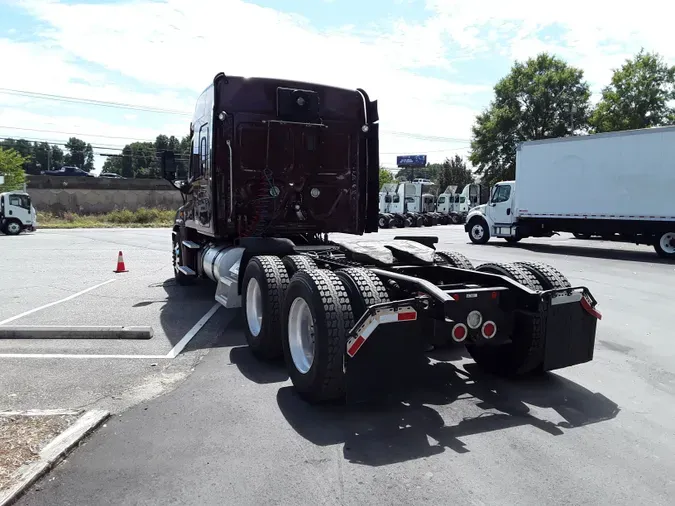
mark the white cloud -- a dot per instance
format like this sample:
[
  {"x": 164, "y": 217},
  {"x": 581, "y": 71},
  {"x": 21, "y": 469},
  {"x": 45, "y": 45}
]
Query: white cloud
[
  {"x": 179, "y": 45},
  {"x": 597, "y": 35},
  {"x": 171, "y": 46}
]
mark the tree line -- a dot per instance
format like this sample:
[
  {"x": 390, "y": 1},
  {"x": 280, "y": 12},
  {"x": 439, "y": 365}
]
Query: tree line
[
  {"x": 542, "y": 97},
  {"x": 453, "y": 171}
]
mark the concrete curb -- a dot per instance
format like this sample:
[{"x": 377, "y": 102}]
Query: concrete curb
[
  {"x": 70, "y": 332},
  {"x": 52, "y": 453}
]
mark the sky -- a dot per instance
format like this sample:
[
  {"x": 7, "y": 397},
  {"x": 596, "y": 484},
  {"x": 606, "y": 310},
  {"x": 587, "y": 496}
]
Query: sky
[{"x": 431, "y": 64}]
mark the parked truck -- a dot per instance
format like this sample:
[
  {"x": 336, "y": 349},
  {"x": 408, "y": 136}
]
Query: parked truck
[
  {"x": 275, "y": 167},
  {"x": 17, "y": 213},
  {"x": 616, "y": 185}
]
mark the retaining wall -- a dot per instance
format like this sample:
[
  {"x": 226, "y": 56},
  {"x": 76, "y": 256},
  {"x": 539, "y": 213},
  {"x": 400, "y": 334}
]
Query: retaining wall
[{"x": 88, "y": 195}]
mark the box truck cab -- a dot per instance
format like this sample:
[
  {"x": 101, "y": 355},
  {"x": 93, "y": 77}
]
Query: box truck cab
[
  {"x": 496, "y": 218},
  {"x": 16, "y": 213}
]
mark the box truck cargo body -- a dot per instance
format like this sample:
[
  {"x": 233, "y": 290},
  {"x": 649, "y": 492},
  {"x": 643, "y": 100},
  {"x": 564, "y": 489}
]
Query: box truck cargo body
[{"x": 618, "y": 185}]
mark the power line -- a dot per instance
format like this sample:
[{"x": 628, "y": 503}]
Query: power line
[
  {"x": 75, "y": 133},
  {"x": 102, "y": 103}
]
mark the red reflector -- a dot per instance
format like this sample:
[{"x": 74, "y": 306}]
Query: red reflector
[
  {"x": 407, "y": 316},
  {"x": 494, "y": 295},
  {"x": 590, "y": 309},
  {"x": 356, "y": 345},
  {"x": 489, "y": 330},
  {"x": 459, "y": 332},
  {"x": 455, "y": 296}
]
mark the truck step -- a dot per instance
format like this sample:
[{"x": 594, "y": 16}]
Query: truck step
[
  {"x": 191, "y": 245},
  {"x": 186, "y": 271}
]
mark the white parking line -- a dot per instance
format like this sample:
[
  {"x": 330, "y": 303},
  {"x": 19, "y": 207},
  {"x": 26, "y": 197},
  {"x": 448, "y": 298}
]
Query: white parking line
[
  {"x": 192, "y": 332},
  {"x": 175, "y": 351},
  {"x": 70, "y": 297}
]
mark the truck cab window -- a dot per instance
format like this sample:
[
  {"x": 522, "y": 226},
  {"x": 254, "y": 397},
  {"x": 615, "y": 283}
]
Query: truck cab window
[
  {"x": 502, "y": 194},
  {"x": 441, "y": 200}
]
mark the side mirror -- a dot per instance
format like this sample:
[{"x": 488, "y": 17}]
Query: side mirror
[{"x": 168, "y": 165}]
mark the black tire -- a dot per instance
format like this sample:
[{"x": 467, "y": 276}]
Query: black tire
[
  {"x": 418, "y": 221},
  {"x": 364, "y": 289},
  {"x": 382, "y": 222},
  {"x": 525, "y": 353},
  {"x": 549, "y": 277},
  {"x": 512, "y": 240},
  {"x": 331, "y": 313},
  {"x": 176, "y": 254},
  {"x": 295, "y": 263},
  {"x": 272, "y": 278},
  {"x": 516, "y": 273},
  {"x": 12, "y": 227},
  {"x": 454, "y": 259},
  {"x": 455, "y": 219},
  {"x": 479, "y": 233},
  {"x": 659, "y": 249}
]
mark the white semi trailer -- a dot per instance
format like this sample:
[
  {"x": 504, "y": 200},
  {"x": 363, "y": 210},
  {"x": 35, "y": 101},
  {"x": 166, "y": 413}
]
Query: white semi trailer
[{"x": 619, "y": 185}]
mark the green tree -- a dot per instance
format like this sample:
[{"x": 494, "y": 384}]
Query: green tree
[
  {"x": 639, "y": 96},
  {"x": 77, "y": 152},
  {"x": 11, "y": 167},
  {"x": 454, "y": 172},
  {"x": 58, "y": 158},
  {"x": 88, "y": 158},
  {"x": 385, "y": 176},
  {"x": 127, "y": 162},
  {"x": 113, "y": 164},
  {"x": 428, "y": 172},
  {"x": 537, "y": 100}
]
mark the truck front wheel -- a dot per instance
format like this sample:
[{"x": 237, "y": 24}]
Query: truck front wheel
[
  {"x": 479, "y": 232},
  {"x": 317, "y": 317},
  {"x": 665, "y": 245},
  {"x": 263, "y": 289},
  {"x": 12, "y": 227}
]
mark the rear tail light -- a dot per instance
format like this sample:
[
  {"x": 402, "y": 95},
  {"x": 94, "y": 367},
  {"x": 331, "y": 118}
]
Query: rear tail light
[
  {"x": 489, "y": 329},
  {"x": 459, "y": 332}
]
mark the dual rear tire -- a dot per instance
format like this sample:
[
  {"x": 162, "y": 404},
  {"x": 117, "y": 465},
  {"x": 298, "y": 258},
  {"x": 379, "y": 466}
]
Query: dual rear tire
[{"x": 304, "y": 314}]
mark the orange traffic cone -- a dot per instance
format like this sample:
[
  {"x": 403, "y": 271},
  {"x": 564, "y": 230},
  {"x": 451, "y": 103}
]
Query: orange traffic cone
[{"x": 120, "y": 263}]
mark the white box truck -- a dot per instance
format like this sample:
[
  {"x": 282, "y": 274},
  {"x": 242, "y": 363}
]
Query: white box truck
[{"x": 616, "y": 185}]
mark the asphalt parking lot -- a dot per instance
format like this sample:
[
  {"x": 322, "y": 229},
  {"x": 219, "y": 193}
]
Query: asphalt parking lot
[
  {"x": 230, "y": 430},
  {"x": 50, "y": 267}
]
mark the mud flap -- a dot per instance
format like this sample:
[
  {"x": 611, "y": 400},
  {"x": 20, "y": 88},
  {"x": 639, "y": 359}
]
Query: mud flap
[
  {"x": 570, "y": 320},
  {"x": 384, "y": 354}
]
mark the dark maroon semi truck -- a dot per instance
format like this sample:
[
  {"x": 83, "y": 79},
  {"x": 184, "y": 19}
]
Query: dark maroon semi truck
[{"x": 276, "y": 166}]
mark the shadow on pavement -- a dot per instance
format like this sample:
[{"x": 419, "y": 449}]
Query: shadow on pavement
[
  {"x": 181, "y": 307},
  {"x": 648, "y": 256},
  {"x": 254, "y": 369},
  {"x": 400, "y": 429}
]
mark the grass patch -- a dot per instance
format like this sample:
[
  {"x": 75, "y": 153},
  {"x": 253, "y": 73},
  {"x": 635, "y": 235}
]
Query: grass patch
[
  {"x": 122, "y": 218},
  {"x": 22, "y": 438}
]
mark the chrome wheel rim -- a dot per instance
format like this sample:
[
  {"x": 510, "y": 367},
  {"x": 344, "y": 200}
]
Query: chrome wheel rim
[
  {"x": 254, "y": 306},
  {"x": 667, "y": 243},
  {"x": 301, "y": 340},
  {"x": 477, "y": 232}
]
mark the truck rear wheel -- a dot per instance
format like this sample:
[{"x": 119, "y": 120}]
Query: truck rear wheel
[
  {"x": 263, "y": 288},
  {"x": 549, "y": 277},
  {"x": 479, "y": 233},
  {"x": 454, "y": 259},
  {"x": 364, "y": 289},
  {"x": 524, "y": 354},
  {"x": 665, "y": 245},
  {"x": 317, "y": 317},
  {"x": 295, "y": 263}
]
